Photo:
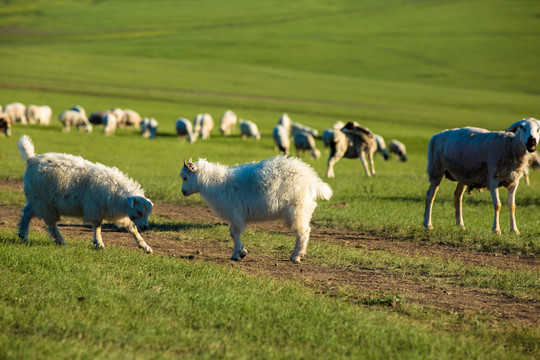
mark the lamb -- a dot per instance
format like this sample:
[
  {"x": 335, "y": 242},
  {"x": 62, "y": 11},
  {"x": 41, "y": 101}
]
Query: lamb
[
  {"x": 297, "y": 128},
  {"x": 38, "y": 114},
  {"x": 304, "y": 141},
  {"x": 398, "y": 148},
  {"x": 184, "y": 128},
  {"x": 281, "y": 139},
  {"x": 203, "y": 125},
  {"x": 58, "y": 185},
  {"x": 352, "y": 142},
  {"x": 16, "y": 112},
  {"x": 227, "y": 122},
  {"x": 285, "y": 121},
  {"x": 478, "y": 158},
  {"x": 149, "y": 128},
  {"x": 276, "y": 188},
  {"x": 110, "y": 123},
  {"x": 249, "y": 129},
  {"x": 381, "y": 146},
  {"x": 74, "y": 118},
  {"x": 5, "y": 125}
]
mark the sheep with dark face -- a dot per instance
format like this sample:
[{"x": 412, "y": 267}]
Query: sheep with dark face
[
  {"x": 398, "y": 148},
  {"x": 478, "y": 158}
]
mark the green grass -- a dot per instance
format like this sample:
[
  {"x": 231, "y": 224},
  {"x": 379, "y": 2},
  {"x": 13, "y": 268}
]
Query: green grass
[{"x": 405, "y": 69}]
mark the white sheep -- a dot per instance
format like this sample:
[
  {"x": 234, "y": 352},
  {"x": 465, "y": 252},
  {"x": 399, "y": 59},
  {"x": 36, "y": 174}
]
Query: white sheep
[
  {"x": 227, "y": 122},
  {"x": 338, "y": 125},
  {"x": 130, "y": 119},
  {"x": 352, "y": 142},
  {"x": 398, "y": 148},
  {"x": 39, "y": 114},
  {"x": 249, "y": 129},
  {"x": 16, "y": 112},
  {"x": 79, "y": 108},
  {"x": 285, "y": 121},
  {"x": 381, "y": 146},
  {"x": 275, "y": 188},
  {"x": 149, "y": 128},
  {"x": 281, "y": 139},
  {"x": 58, "y": 185},
  {"x": 110, "y": 124},
  {"x": 119, "y": 113},
  {"x": 74, "y": 118},
  {"x": 478, "y": 158},
  {"x": 305, "y": 142},
  {"x": 297, "y": 128},
  {"x": 184, "y": 128},
  {"x": 203, "y": 125}
]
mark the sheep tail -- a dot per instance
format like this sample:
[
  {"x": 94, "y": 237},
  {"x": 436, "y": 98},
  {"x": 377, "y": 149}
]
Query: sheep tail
[
  {"x": 324, "y": 191},
  {"x": 26, "y": 147}
]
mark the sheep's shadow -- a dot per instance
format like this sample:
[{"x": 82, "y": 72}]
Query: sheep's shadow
[{"x": 180, "y": 226}]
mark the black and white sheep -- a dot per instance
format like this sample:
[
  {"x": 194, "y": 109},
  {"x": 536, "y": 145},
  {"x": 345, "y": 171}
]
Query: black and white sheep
[
  {"x": 398, "y": 148},
  {"x": 149, "y": 128},
  {"x": 249, "y": 129},
  {"x": 281, "y": 139},
  {"x": 381, "y": 146},
  {"x": 305, "y": 142},
  {"x": 185, "y": 129}
]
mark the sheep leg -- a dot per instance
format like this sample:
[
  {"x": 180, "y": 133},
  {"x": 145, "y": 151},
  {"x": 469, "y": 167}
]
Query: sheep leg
[
  {"x": 496, "y": 207},
  {"x": 239, "y": 251},
  {"x": 55, "y": 234},
  {"x": 430, "y": 197},
  {"x": 302, "y": 239},
  {"x": 364, "y": 163},
  {"x": 98, "y": 241},
  {"x": 132, "y": 228},
  {"x": 512, "y": 207},
  {"x": 458, "y": 199},
  {"x": 24, "y": 223},
  {"x": 370, "y": 157},
  {"x": 332, "y": 159}
]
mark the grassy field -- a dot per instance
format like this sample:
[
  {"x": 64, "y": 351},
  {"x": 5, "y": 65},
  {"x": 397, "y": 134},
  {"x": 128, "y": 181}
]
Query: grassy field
[{"x": 405, "y": 69}]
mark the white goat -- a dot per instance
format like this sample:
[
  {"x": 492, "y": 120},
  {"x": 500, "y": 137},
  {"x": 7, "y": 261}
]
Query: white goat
[
  {"x": 58, "y": 185},
  {"x": 149, "y": 128},
  {"x": 381, "y": 146},
  {"x": 249, "y": 129},
  {"x": 184, "y": 128},
  {"x": 353, "y": 142},
  {"x": 227, "y": 122},
  {"x": 110, "y": 123},
  {"x": 203, "y": 125},
  {"x": 305, "y": 142},
  {"x": 16, "y": 112},
  {"x": 74, "y": 118},
  {"x": 297, "y": 128},
  {"x": 398, "y": 148},
  {"x": 275, "y": 188},
  {"x": 281, "y": 139},
  {"x": 285, "y": 121},
  {"x": 478, "y": 158}
]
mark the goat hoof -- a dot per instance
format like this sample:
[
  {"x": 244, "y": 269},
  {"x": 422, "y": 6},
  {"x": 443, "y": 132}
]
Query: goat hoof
[
  {"x": 148, "y": 250},
  {"x": 235, "y": 258},
  {"x": 243, "y": 253}
]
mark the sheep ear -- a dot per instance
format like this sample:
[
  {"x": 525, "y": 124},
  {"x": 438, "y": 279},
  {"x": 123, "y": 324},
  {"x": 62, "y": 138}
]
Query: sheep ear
[
  {"x": 131, "y": 201},
  {"x": 514, "y": 127}
]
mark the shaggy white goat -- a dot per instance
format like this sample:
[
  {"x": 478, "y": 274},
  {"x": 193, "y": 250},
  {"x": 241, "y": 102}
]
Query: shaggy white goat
[
  {"x": 381, "y": 146},
  {"x": 110, "y": 123},
  {"x": 149, "y": 128},
  {"x": 249, "y": 129},
  {"x": 38, "y": 114},
  {"x": 227, "y": 122},
  {"x": 74, "y": 118},
  {"x": 297, "y": 128},
  {"x": 275, "y": 188},
  {"x": 58, "y": 185},
  {"x": 16, "y": 112},
  {"x": 281, "y": 139},
  {"x": 478, "y": 158},
  {"x": 203, "y": 125},
  {"x": 352, "y": 142},
  {"x": 305, "y": 142},
  {"x": 398, "y": 148},
  {"x": 285, "y": 121},
  {"x": 184, "y": 128}
]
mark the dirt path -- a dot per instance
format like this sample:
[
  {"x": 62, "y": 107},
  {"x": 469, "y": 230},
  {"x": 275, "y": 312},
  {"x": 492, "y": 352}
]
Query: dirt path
[{"x": 328, "y": 280}]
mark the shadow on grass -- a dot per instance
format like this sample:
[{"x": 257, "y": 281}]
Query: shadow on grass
[{"x": 181, "y": 226}]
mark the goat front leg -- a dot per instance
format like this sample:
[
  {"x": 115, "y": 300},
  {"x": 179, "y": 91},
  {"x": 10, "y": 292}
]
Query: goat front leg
[
  {"x": 512, "y": 207},
  {"x": 132, "y": 228},
  {"x": 496, "y": 206},
  {"x": 458, "y": 200},
  {"x": 98, "y": 241},
  {"x": 239, "y": 251}
]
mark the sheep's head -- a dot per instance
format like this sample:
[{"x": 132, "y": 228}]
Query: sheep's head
[
  {"x": 139, "y": 208},
  {"x": 528, "y": 131},
  {"x": 188, "y": 175}
]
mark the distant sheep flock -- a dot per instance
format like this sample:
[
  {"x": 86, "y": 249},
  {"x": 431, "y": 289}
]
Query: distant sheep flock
[{"x": 280, "y": 187}]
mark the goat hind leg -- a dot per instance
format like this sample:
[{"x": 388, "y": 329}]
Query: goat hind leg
[
  {"x": 24, "y": 223},
  {"x": 512, "y": 207},
  {"x": 55, "y": 234},
  {"x": 496, "y": 208},
  {"x": 239, "y": 251}
]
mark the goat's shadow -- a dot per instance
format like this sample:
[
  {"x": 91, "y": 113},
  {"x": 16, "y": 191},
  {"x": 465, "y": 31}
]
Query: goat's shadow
[{"x": 181, "y": 226}]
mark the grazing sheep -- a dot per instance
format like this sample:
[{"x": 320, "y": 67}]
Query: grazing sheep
[
  {"x": 478, "y": 158},
  {"x": 5, "y": 125},
  {"x": 74, "y": 118},
  {"x": 39, "y": 114},
  {"x": 285, "y": 121},
  {"x": 110, "y": 123},
  {"x": 275, "y": 188},
  {"x": 398, "y": 148},
  {"x": 297, "y": 128},
  {"x": 203, "y": 125},
  {"x": 227, "y": 122},
  {"x": 16, "y": 112},
  {"x": 184, "y": 128},
  {"x": 79, "y": 108},
  {"x": 249, "y": 129},
  {"x": 338, "y": 125},
  {"x": 58, "y": 185},
  {"x": 304, "y": 141},
  {"x": 149, "y": 128},
  {"x": 381, "y": 146},
  {"x": 119, "y": 113},
  {"x": 281, "y": 139},
  {"x": 352, "y": 142},
  {"x": 130, "y": 119},
  {"x": 98, "y": 117}
]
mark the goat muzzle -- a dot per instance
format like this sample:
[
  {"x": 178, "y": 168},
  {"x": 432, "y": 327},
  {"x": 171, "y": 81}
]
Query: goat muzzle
[{"x": 531, "y": 144}]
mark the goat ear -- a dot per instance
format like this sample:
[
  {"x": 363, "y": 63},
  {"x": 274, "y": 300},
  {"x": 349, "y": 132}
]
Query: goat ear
[
  {"x": 515, "y": 126},
  {"x": 132, "y": 200}
]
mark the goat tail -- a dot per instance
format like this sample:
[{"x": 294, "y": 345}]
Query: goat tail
[
  {"x": 26, "y": 147},
  {"x": 324, "y": 191}
]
